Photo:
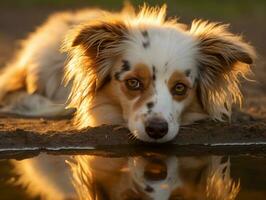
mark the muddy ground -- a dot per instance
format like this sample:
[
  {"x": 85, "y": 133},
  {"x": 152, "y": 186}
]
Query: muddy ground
[{"x": 247, "y": 126}]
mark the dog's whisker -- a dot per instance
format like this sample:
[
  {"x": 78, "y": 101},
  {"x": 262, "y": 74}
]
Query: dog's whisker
[
  {"x": 118, "y": 127},
  {"x": 132, "y": 137}
]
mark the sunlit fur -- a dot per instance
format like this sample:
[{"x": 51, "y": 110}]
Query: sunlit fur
[
  {"x": 96, "y": 50},
  {"x": 219, "y": 184},
  {"x": 45, "y": 176},
  {"x": 100, "y": 49},
  {"x": 202, "y": 178},
  {"x": 96, "y": 177},
  {"x": 224, "y": 57}
]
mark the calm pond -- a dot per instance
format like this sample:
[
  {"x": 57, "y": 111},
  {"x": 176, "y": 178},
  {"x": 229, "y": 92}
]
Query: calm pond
[{"x": 150, "y": 176}]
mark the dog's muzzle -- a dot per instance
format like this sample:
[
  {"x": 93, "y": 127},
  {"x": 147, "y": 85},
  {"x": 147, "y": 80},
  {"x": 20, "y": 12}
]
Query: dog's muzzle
[{"x": 156, "y": 128}]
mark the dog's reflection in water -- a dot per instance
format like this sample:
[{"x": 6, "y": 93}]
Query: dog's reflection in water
[{"x": 147, "y": 177}]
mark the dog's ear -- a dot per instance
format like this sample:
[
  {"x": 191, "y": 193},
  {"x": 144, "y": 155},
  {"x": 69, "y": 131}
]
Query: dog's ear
[
  {"x": 92, "y": 50},
  {"x": 99, "y": 36},
  {"x": 223, "y": 58},
  {"x": 97, "y": 42}
]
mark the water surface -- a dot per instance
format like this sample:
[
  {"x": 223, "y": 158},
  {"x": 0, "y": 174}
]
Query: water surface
[{"x": 149, "y": 176}]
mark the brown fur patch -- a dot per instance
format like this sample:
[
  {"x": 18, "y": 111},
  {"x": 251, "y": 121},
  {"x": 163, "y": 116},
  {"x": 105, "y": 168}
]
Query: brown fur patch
[
  {"x": 142, "y": 73},
  {"x": 194, "y": 109},
  {"x": 179, "y": 77},
  {"x": 148, "y": 91}
]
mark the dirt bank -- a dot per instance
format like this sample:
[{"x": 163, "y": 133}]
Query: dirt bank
[{"x": 244, "y": 134}]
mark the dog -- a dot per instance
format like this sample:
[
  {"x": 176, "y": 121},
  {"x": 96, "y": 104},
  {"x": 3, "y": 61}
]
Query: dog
[{"x": 135, "y": 69}]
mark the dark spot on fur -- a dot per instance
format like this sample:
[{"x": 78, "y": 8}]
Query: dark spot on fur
[
  {"x": 150, "y": 106},
  {"x": 153, "y": 73},
  {"x": 149, "y": 189},
  {"x": 146, "y": 44},
  {"x": 187, "y": 72},
  {"x": 145, "y": 34},
  {"x": 125, "y": 67},
  {"x": 117, "y": 76}
]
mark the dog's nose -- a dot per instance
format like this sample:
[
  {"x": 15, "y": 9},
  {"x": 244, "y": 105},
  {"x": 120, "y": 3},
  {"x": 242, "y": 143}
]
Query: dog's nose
[{"x": 156, "y": 128}]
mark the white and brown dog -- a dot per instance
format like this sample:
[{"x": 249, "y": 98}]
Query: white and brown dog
[
  {"x": 134, "y": 69},
  {"x": 139, "y": 70}
]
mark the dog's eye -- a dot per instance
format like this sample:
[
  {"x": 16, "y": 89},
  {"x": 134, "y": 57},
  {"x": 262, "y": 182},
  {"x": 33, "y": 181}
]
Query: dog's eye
[
  {"x": 133, "y": 84},
  {"x": 179, "y": 89}
]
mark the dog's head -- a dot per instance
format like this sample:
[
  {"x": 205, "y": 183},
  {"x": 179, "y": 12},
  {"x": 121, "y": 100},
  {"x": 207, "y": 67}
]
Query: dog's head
[{"x": 159, "y": 73}]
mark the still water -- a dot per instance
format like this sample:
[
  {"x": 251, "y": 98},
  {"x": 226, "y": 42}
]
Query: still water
[{"x": 146, "y": 177}]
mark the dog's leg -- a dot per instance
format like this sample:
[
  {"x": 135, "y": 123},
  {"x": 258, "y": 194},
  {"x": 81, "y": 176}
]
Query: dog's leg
[
  {"x": 12, "y": 78},
  {"x": 32, "y": 105}
]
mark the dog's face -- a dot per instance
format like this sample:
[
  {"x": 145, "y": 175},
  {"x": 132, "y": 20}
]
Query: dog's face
[
  {"x": 155, "y": 82},
  {"x": 155, "y": 71}
]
